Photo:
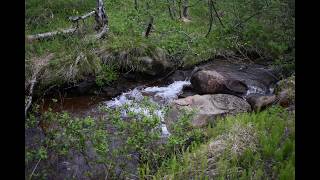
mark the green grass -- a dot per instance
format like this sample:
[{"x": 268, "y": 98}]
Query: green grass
[
  {"x": 270, "y": 153},
  {"x": 270, "y": 32}
]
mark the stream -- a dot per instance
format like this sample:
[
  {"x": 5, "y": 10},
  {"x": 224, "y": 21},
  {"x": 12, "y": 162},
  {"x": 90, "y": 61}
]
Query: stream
[{"x": 161, "y": 94}]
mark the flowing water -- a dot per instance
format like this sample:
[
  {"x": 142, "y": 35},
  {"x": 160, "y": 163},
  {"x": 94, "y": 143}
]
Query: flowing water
[{"x": 160, "y": 95}]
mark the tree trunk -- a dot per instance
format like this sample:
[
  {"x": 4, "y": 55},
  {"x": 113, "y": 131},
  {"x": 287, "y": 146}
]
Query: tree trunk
[
  {"x": 101, "y": 16},
  {"x": 185, "y": 9}
]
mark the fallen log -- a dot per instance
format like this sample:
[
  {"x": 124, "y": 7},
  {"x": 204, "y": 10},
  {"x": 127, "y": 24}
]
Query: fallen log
[
  {"x": 31, "y": 38},
  {"x": 77, "y": 18}
]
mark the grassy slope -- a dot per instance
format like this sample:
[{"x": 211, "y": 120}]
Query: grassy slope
[
  {"x": 270, "y": 32},
  {"x": 269, "y": 154}
]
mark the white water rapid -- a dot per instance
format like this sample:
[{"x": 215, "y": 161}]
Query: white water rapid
[{"x": 159, "y": 95}]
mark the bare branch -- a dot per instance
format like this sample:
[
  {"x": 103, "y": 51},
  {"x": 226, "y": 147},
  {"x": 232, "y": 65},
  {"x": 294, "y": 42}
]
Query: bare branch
[
  {"x": 31, "y": 38},
  {"x": 38, "y": 65},
  {"x": 214, "y": 8},
  {"x": 149, "y": 27},
  {"x": 211, "y": 17},
  {"x": 77, "y": 18}
]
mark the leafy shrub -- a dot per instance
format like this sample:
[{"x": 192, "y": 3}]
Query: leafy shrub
[{"x": 106, "y": 75}]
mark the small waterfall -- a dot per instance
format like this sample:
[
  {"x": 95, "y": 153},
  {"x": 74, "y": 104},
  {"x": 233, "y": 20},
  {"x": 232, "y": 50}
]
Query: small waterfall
[
  {"x": 159, "y": 95},
  {"x": 255, "y": 90},
  {"x": 168, "y": 93}
]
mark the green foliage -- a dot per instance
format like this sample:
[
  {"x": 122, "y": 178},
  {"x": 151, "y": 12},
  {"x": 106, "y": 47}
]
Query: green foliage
[
  {"x": 65, "y": 135},
  {"x": 141, "y": 133},
  {"x": 263, "y": 27},
  {"x": 106, "y": 75},
  {"x": 273, "y": 156},
  {"x": 254, "y": 145}
]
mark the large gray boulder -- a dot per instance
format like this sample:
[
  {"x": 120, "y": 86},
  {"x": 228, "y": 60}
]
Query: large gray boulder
[
  {"x": 221, "y": 76},
  {"x": 211, "y": 81},
  {"x": 206, "y": 108}
]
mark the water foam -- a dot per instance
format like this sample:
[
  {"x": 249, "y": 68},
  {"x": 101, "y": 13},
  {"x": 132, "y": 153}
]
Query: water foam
[
  {"x": 133, "y": 97},
  {"x": 255, "y": 90},
  {"x": 170, "y": 92}
]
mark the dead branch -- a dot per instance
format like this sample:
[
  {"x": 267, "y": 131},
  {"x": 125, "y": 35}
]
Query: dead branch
[
  {"x": 211, "y": 17},
  {"x": 102, "y": 34},
  {"x": 149, "y": 27},
  {"x": 77, "y": 18},
  {"x": 101, "y": 16},
  {"x": 217, "y": 14},
  {"x": 212, "y": 7},
  {"x": 31, "y": 38},
  {"x": 38, "y": 66}
]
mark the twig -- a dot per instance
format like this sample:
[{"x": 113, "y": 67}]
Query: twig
[
  {"x": 34, "y": 169},
  {"x": 214, "y": 8},
  {"x": 149, "y": 27},
  {"x": 211, "y": 17}
]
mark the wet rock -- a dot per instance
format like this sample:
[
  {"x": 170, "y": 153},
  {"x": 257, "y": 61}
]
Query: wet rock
[
  {"x": 179, "y": 75},
  {"x": 211, "y": 81},
  {"x": 230, "y": 78},
  {"x": 259, "y": 102},
  {"x": 285, "y": 92},
  {"x": 206, "y": 108}
]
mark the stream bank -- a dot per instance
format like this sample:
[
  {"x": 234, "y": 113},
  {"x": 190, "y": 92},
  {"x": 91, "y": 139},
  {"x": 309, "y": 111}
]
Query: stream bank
[{"x": 227, "y": 83}]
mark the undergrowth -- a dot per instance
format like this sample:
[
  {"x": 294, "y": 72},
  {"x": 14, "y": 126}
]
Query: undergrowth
[
  {"x": 248, "y": 146},
  {"x": 263, "y": 27}
]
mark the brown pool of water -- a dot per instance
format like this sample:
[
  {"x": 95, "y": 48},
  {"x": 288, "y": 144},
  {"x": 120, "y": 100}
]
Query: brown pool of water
[{"x": 75, "y": 105}]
